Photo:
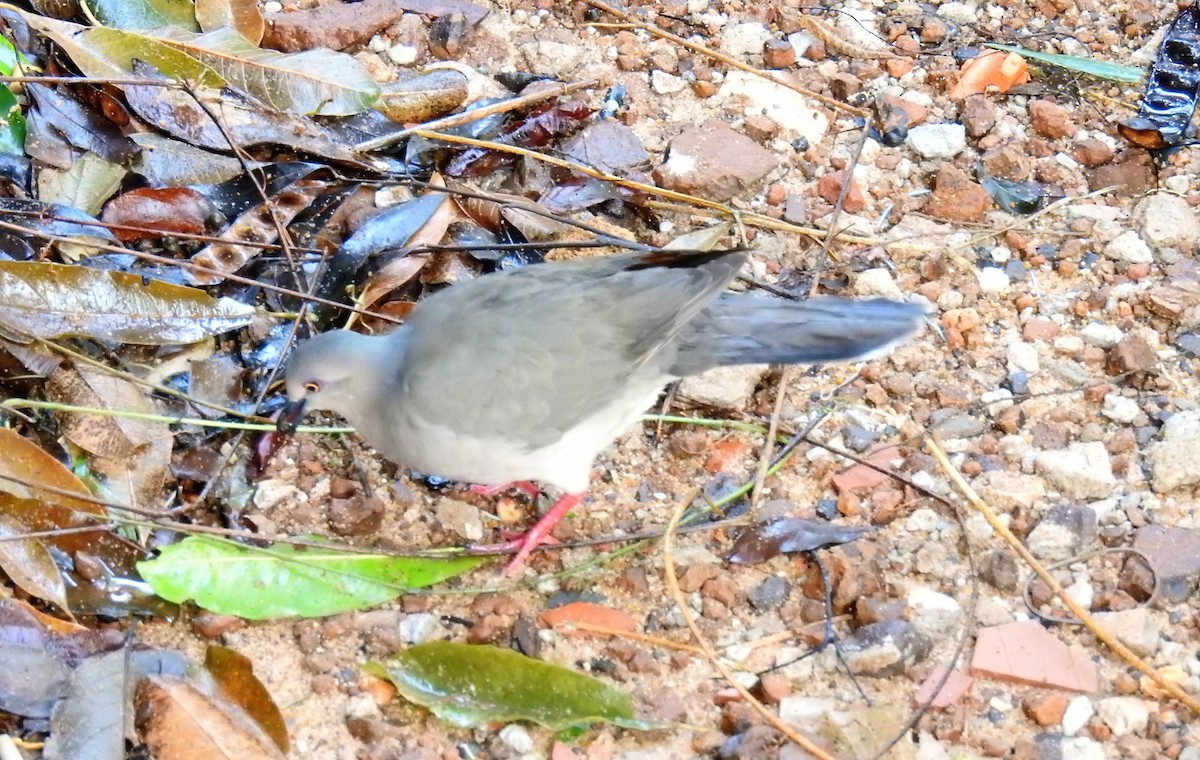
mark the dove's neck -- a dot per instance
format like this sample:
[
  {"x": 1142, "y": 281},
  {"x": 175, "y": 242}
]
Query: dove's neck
[{"x": 376, "y": 362}]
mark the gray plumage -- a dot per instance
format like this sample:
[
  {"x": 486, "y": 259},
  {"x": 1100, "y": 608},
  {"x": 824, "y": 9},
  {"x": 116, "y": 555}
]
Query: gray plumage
[{"x": 530, "y": 374}]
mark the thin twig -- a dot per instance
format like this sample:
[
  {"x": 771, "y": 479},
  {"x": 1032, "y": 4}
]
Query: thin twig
[
  {"x": 681, "y": 602},
  {"x": 1083, "y": 615}
]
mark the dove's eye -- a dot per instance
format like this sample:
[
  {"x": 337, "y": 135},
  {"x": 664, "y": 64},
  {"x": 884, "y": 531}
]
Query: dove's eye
[{"x": 312, "y": 387}]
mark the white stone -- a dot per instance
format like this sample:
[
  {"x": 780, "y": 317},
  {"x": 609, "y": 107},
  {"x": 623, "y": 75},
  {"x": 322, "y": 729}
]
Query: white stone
[
  {"x": 922, "y": 520},
  {"x": 272, "y": 492},
  {"x": 460, "y": 517},
  {"x": 1167, "y": 221},
  {"x": 1079, "y": 711},
  {"x": 1023, "y": 357},
  {"x": 1173, "y": 464},
  {"x": 1005, "y": 491},
  {"x": 1068, "y": 344},
  {"x": 402, "y": 55},
  {"x": 961, "y": 13},
  {"x": 937, "y": 140},
  {"x": 1118, "y": 408},
  {"x": 419, "y": 627},
  {"x": 666, "y": 84},
  {"x": 789, "y": 109},
  {"x": 1101, "y": 335},
  {"x": 1137, "y": 628},
  {"x": 1129, "y": 247},
  {"x": 804, "y": 712},
  {"x": 1181, "y": 184},
  {"x": 877, "y": 282},
  {"x": 992, "y": 280},
  {"x": 272, "y": 6},
  {"x": 1081, "y": 592},
  {"x": 727, "y": 388},
  {"x": 936, "y": 614},
  {"x": 859, "y": 27},
  {"x": 742, "y": 41},
  {"x": 1081, "y": 471},
  {"x": 1082, "y": 748},
  {"x": 1182, "y": 426},
  {"x": 515, "y": 736},
  {"x": 1124, "y": 715}
]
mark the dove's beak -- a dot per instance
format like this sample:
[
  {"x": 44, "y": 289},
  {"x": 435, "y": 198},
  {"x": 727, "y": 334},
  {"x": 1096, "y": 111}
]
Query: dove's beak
[{"x": 290, "y": 416}]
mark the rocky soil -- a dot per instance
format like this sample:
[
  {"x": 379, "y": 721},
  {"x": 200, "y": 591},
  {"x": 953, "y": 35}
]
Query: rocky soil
[{"x": 1059, "y": 372}]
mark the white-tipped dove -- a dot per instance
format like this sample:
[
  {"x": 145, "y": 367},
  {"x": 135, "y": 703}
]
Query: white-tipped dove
[{"x": 528, "y": 374}]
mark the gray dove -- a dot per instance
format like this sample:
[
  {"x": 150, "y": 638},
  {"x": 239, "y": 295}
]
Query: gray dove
[{"x": 527, "y": 375}]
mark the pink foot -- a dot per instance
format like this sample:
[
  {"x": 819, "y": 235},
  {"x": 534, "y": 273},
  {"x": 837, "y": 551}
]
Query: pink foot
[
  {"x": 524, "y": 486},
  {"x": 537, "y": 535}
]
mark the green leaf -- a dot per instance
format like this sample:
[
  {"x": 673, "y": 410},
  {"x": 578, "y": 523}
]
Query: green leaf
[
  {"x": 471, "y": 685},
  {"x": 9, "y": 57},
  {"x": 42, "y": 300},
  {"x": 145, "y": 14},
  {"x": 1102, "y": 69},
  {"x": 12, "y": 123},
  {"x": 284, "y": 581}
]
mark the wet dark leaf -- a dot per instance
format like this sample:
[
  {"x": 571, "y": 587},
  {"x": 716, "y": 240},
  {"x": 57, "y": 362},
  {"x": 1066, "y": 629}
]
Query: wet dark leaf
[
  {"x": 1010, "y": 195},
  {"x": 285, "y": 581},
  {"x": 36, "y": 219},
  {"x": 55, "y": 300},
  {"x": 389, "y": 230},
  {"x": 761, "y": 541},
  {"x": 473, "y": 685},
  {"x": 80, "y": 125},
  {"x": 176, "y": 719},
  {"x": 537, "y": 130},
  {"x": 236, "y": 682},
  {"x": 258, "y": 225},
  {"x": 165, "y": 210}
]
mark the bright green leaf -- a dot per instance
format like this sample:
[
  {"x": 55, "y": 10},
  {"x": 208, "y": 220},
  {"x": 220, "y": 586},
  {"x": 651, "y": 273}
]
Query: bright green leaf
[
  {"x": 145, "y": 14},
  {"x": 12, "y": 123},
  {"x": 9, "y": 57},
  {"x": 1102, "y": 69},
  {"x": 284, "y": 581},
  {"x": 43, "y": 300},
  {"x": 473, "y": 685}
]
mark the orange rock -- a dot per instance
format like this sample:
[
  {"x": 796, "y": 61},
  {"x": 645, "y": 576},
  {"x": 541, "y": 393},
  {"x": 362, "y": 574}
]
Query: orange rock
[
  {"x": 588, "y": 614},
  {"x": 997, "y": 69}
]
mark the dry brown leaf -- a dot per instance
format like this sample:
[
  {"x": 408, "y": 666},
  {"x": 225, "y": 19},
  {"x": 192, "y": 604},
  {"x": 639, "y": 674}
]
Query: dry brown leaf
[{"x": 178, "y": 722}]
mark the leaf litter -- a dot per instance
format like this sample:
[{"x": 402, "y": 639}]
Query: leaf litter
[{"x": 226, "y": 152}]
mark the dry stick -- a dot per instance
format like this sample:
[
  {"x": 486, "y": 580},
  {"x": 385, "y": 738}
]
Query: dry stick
[
  {"x": 837, "y": 211},
  {"x": 464, "y": 117},
  {"x": 696, "y": 47},
  {"x": 709, "y": 653},
  {"x": 764, "y": 461},
  {"x": 575, "y": 167},
  {"x": 1084, "y": 616},
  {"x": 766, "y": 223}
]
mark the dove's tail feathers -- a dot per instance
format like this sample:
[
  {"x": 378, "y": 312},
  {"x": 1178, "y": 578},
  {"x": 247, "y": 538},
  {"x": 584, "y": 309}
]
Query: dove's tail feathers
[{"x": 749, "y": 330}]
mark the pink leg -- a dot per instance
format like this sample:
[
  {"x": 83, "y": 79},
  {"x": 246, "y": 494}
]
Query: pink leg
[
  {"x": 524, "y": 486},
  {"x": 538, "y": 534}
]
